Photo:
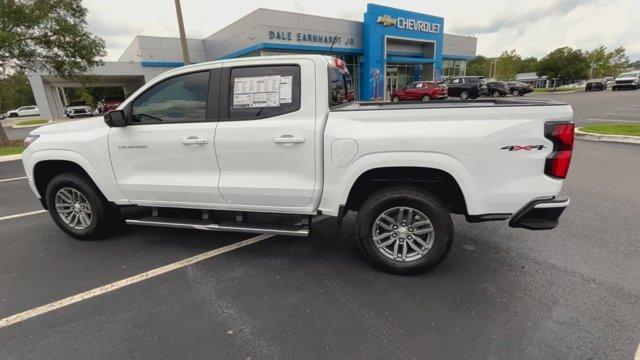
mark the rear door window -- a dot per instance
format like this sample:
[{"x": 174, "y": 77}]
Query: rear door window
[{"x": 259, "y": 92}]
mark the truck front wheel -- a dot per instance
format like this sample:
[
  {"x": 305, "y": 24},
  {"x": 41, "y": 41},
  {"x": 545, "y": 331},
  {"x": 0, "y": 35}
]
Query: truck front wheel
[
  {"x": 77, "y": 206},
  {"x": 404, "y": 230}
]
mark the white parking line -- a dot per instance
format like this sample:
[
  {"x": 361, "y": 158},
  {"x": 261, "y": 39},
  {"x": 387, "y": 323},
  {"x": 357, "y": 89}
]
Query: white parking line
[
  {"x": 9, "y": 217},
  {"x": 13, "y": 179},
  {"x": 620, "y": 114},
  {"x": 614, "y": 120},
  {"x": 133, "y": 279}
]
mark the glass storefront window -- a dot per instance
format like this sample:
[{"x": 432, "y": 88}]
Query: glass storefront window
[
  {"x": 398, "y": 76},
  {"x": 452, "y": 68}
]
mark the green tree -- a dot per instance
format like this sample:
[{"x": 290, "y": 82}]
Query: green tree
[
  {"x": 479, "y": 66},
  {"x": 528, "y": 65},
  {"x": 46, "y": 35},
  {"x": 15, "y": 91},
  {"x": 618, "y": 61},
  {"x": 564, "y": 64},
  {"x": 507, "y": 65},
  {"x": 606, "y": 63}
]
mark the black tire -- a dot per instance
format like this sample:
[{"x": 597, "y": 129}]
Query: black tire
[
  {"x": 464, "y": 95},
  {"x": 395, "y": 99},
  {"x": 515, "y": 92},
  {"x": 415, "y": 198},
  {"x": 426, "y": 98},
  {"x": 102, "y": 214},
  {"x": 495, "y": 94}
]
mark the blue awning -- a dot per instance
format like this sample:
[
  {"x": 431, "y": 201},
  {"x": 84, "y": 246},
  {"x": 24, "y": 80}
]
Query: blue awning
[{"x": 408, "y": 60}]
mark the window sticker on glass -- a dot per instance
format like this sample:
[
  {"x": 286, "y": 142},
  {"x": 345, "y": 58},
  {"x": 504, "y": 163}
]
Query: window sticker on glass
[
  {"x": 286, "y": 83},
  {"x": 259, "y": 91}
]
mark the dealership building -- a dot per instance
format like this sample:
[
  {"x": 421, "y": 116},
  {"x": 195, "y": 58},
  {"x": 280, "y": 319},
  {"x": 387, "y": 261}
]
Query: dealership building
[{"x": 388, "y": 49}]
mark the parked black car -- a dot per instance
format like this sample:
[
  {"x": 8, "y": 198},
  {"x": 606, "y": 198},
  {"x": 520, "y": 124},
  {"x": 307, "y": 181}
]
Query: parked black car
[
  {"x": 517, "y": 88},
  {"x": 466, "y": 87},
  {"x": 497, "y": 88},
  {"x": 596, "y": 84}
]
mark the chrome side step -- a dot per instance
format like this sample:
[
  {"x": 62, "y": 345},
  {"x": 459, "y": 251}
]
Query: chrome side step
[{"x": 231, "y": 227}]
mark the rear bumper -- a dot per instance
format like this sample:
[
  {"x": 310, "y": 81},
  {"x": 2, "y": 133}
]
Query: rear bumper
[{"x": 541, "y": 214}]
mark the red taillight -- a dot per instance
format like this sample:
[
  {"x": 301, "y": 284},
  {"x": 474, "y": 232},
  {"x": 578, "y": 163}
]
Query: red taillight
[{"x": 561, "y": 134}]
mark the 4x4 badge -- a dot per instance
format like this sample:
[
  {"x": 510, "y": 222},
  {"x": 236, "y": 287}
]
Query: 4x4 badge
[{"x": 522, "y": 147}]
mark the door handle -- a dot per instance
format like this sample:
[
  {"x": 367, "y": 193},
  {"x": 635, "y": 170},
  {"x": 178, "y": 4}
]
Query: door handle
[
  {"x": 194, "y": 140},
  {"x": 289, "y": 139}
]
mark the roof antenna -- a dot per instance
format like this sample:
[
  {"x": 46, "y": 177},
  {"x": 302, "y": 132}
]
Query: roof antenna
[{"x": 335, "y": 38}]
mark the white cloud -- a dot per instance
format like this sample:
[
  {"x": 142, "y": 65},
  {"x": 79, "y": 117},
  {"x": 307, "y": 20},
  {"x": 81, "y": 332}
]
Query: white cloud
[{"x": 533, "y": 28}]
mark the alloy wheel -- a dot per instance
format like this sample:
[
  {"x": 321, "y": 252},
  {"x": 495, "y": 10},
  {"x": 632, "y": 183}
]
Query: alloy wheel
[
  {"x": 73, "y": 208},
  {"x": 403, "y": 234}
]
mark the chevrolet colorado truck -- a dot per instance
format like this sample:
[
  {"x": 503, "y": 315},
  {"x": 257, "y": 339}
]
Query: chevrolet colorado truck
[{"x": 221, "y": 145}]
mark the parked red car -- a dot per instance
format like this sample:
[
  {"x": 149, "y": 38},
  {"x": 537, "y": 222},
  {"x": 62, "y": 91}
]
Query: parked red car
[
  {"x": 109, "y": 103},
  {"x": 420, "y": 91}
]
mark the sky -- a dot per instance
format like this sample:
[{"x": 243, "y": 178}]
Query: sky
[{"x": 532, "y": 27}]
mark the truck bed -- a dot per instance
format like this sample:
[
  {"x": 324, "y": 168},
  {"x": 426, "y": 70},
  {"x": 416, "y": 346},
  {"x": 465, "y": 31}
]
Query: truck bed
[
  {"x": 370, "y": 105},
  {"x": 470, "y": 140}
]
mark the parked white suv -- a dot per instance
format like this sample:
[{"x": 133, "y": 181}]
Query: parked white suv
[
  {"x": 627, "y": 80},
  {"x": 24, "y": 111},
  {"x": 213, "y": 145},
  {"x": 77, "y": 108}
]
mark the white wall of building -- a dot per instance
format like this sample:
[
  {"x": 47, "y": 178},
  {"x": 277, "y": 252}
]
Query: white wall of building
[
  {"x": 254, "y": 28},
  {"x": 162, "y": 49},
  {"x": 458, "y": 45}
]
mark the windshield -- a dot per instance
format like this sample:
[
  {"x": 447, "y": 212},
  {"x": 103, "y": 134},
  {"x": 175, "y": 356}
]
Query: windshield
[{"x": 628, "y": 75}]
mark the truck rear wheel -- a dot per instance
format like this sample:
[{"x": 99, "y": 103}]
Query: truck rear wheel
[
  {"x": 77, "y": 206},
  {"x": 404, "y": 230}
]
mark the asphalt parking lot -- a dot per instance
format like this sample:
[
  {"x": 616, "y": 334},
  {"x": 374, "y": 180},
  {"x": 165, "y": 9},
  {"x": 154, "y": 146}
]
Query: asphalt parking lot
[
  {"x": 570, "y": 293},
  {"x": 600, "y": 106}
]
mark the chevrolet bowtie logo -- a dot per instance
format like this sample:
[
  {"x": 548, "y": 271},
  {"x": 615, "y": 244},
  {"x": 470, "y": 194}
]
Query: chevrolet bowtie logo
[{"x": 386, "y": 20}]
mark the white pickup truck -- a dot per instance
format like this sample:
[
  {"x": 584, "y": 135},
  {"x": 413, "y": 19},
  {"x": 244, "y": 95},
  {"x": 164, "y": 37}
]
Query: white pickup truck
[{"x": 212, "y": 146}]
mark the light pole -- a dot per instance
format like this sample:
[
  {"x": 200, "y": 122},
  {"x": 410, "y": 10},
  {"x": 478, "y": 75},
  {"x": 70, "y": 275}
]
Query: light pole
[
  {"x": 493, "y": 65},
  {"x": 183, "y": 37}
]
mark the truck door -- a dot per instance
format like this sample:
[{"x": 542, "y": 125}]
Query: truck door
[
  {"x": 166, "y": 155},
  {"x": 265, "y": 141}
]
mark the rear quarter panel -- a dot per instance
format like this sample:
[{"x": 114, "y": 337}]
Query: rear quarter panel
[{"x": 466, "y": 142}]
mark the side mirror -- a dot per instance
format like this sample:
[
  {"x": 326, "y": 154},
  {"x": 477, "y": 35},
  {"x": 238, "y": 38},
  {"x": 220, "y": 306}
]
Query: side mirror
[{"x": 115, "y": 118}]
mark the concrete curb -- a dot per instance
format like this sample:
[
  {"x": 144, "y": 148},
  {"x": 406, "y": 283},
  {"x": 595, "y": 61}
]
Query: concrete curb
[
  {"x": 558, "y": 92},
  {"x": 609, "y": 138},
  {"x": 29, "y": 126},
  {"x": 10, "y": 157}
]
